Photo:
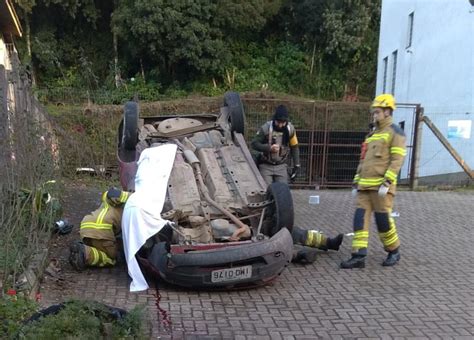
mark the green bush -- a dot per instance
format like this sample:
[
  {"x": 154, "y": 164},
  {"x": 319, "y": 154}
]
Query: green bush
[
  {"x": 13, "y": 310},
  {"x": 85, "y": 320}
]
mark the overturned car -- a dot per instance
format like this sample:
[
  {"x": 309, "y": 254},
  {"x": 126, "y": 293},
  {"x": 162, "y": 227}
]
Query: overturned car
[{"x": 228, "y": 229}]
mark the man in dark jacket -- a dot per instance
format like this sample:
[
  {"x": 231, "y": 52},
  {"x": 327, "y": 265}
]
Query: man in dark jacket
[{"x": 275, "y": 141}]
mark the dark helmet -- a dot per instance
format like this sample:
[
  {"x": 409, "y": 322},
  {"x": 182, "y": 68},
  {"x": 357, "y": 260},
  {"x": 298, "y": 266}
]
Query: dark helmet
[
  {"x": 116, "y": 196},
  {"x": 281, "y": 113}
]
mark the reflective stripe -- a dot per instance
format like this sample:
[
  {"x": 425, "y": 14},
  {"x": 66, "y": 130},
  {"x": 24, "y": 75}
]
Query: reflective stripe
[
  {"x": 360, "y": 244},
  {"x": 314, "y": 238},
  {"x": 95, "y": 256},
  {"x": 100, "y": 219},
  {"x": 398, "y": 151},
  {"x": 390, "y": 237},
  {"x": 93, "y": 225},
  {"x": 392, "y": 176},
  {"x": 123, "y": 196},
  {"x": 391, "y": 240},
  {"x": 356, "y": 178},
  {"x": 361, "y": 233},
  {"x": 361, "y": 239},
  {"x": 105, "y": 260},
  {"x": 389, "y": 233},
  {"x": 371, "y": 181},
  {"x": 378, "y": 136}
]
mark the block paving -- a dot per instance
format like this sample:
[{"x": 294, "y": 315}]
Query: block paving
[{"x": 429, "y": 295}]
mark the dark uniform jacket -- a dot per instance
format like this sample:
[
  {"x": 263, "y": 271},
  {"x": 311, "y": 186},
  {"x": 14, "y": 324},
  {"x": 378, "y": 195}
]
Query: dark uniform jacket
[{"x": 266, "y": 136}]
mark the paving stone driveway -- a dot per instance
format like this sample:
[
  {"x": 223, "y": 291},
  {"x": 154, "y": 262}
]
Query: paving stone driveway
[{"x": 430, "y": 294}]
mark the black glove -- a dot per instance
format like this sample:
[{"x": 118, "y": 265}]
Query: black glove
[
  {"x": 113, "y": 196},
  {"x": 294, "y": 172},
  {"x": 113, "y": 193}
]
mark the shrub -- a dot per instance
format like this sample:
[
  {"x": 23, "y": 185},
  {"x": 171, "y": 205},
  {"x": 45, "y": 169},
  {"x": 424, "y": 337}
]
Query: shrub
[{"x": 85, "y": 320}]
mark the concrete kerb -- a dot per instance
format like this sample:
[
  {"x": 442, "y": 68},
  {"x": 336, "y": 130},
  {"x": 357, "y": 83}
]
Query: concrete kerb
[{"x": 29, "y": 280}]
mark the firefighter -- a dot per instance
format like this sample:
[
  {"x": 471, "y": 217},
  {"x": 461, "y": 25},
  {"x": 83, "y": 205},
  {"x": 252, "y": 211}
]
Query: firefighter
[
  {"x": 275, "y": 141},
  {"x": 313, "y": 239},
  {"x": 99, "y": 231},
  {"x": 382, "y": 157}
]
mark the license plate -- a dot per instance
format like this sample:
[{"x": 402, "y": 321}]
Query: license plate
[{"x": 231, "y": 274}]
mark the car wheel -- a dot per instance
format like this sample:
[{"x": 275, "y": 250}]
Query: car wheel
[
  {"x": 236, "y": 111},
  {"x": 130, "y": 126},
  {"x": 280, "y": 214}
]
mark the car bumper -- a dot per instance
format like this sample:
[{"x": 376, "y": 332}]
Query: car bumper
[{"x": 219, "y": 266}]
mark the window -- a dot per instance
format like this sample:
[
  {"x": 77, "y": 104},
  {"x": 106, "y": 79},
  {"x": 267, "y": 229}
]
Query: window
[
  {"x": 394, "y": 70},
  {"x": 410, "y": 29},
  {"x": 385, "y": 66}
]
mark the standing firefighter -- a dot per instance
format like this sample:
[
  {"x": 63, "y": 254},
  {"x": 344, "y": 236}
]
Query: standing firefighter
[
  {"x": 99, "y": 231},
  {"x": 383, "y": 153},
  {"x": 275, "y": 140}
]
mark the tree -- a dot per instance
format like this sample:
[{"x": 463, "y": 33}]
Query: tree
[
  {"x": 311, "y": 46},
  {"x": 188, "y": 38},
  {"x": 340, "y": 35}
]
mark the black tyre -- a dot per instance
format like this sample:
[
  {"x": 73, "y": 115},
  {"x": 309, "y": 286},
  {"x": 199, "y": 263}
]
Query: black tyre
[
  {"x": 280, "y": 214},
  {"x": 236, "y": 111},
  {"x": 130, "y": 126}
]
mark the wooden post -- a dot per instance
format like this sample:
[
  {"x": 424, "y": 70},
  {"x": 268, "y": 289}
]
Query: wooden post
[
  {"x": 416, "y": 148},
  {"x": 449, "y": 147}
]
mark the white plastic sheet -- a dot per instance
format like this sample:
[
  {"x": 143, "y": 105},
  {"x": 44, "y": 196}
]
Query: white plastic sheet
[{"x": 142, "y": 213}]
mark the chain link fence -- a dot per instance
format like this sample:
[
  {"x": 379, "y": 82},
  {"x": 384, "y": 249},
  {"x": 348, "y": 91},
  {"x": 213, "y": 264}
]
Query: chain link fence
[
  {"x": 28, "y": 192},
  {"x": 329, "y": 133}
]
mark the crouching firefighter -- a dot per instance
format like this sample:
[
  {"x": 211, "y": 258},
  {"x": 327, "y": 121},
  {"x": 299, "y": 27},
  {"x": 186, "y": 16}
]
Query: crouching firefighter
[
  {"x": 306, "y": 240},
  {"x": 99, "y": 231}
]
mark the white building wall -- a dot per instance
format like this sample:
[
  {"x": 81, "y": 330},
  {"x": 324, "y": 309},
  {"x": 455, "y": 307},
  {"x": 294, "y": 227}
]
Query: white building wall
[{"x": 436, "y": 71}]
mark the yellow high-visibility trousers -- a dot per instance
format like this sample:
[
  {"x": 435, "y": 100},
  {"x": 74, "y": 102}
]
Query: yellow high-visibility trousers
[
  {"x": 100, "y": 253},
  {"x": 368, "y": 202}
]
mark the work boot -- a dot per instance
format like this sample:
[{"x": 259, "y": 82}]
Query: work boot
[
  {"x": 77, "y": 255},
  {"x": 305, "y": 256},
  {"x": 356, "y": 261},
  {"x": 333, "y": 243},
  {"x": 392, "y": 258}
]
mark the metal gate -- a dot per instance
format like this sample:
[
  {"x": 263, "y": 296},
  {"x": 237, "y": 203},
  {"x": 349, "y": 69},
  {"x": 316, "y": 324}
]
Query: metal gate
[{"x": 330, "y": 135}]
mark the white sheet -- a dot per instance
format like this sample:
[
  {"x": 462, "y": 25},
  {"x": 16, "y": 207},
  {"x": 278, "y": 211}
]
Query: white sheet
[{"x": 142, "y": 213}]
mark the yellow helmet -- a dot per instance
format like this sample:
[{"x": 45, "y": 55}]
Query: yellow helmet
[{"x": 384, "y": 101}]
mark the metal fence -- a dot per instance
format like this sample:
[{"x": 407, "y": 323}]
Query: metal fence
[
  {"x": 407, "y": 116},
  {"x": 329, "y": 133}
]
